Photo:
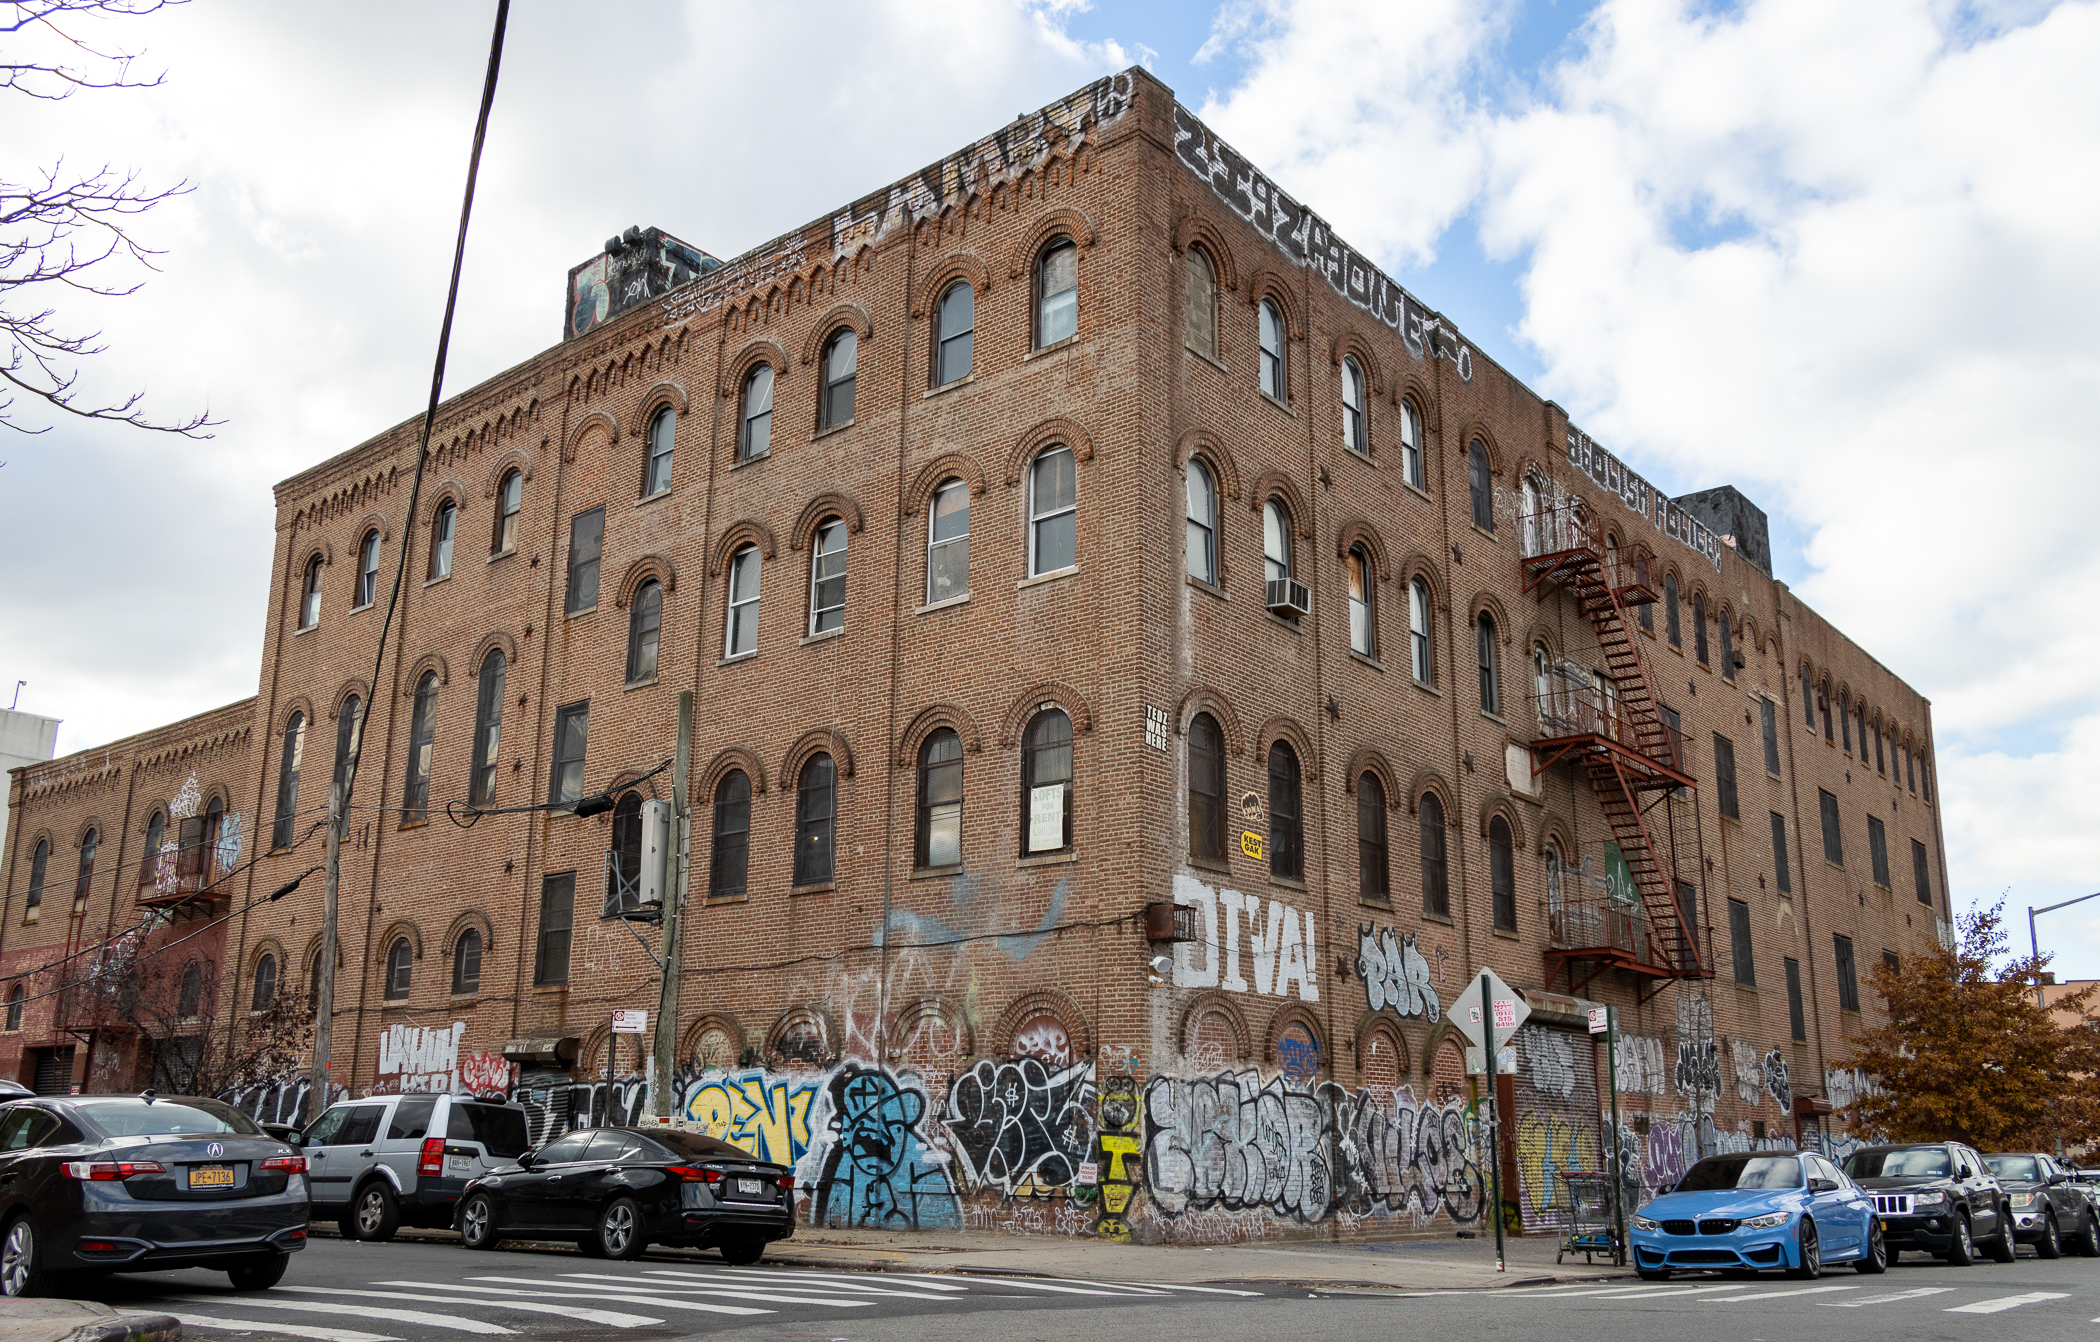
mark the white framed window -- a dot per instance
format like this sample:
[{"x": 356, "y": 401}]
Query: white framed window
[
  {"x": 1411, "y": 445},
  {"x": 756, "y": 436},
  {"x": 662, "y": 430},
  {"x": 1419, "y": 611},
  {"x": 1363, "y": 631},
  {"x": 1053, "y": 512},
  {"x": 310, "y": 599},
  {"x": 441, "y": 528},
  {"x": 954, "y": 333},
  {"x": 742, "y": 634},
  {"x": 1057, "y": 293},
  {"x": 1275, "y": 541},
  {"x": 1202, "y": 524},
  {"x": 368, "y": 570},
  {"x": 1272, "y": 369},
  {"x": 1355, "y": 430},
  {"x": 948, "y": 543},
  {"x": 827, "y": 578}
]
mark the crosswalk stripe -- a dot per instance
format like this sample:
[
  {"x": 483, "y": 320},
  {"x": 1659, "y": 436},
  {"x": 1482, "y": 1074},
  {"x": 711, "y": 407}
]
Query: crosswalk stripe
[
  {"x": 622, "y": 1297},
  {"x": 1775, "y": 1295},
  {"x": 2005, "y": 1302},
  {"x": 189, "y": 1320},
  {"x": 610, "y": 1318},
  {"x": 702, "y": 1281},
  {"x": 1886, "y": 1299},
  {"x": 732, "y": 1292},
  {"x": 424, "y": 1317},
  {"x": 1032, "y": 1285},
  {"x": 1207, "y": 1290},
  {"x": 1643, "y": 1292},
  {"x": 929, "y": 1282}
]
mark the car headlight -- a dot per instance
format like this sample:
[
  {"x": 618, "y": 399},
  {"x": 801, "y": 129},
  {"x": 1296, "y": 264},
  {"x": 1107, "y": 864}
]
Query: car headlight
[
  {"x": 2022, "y": 1200},
  {"x": 1643, "y": 1223},
  {"x": 1767, "y": 1222},
  {"x": 1927, "y": 1201}
]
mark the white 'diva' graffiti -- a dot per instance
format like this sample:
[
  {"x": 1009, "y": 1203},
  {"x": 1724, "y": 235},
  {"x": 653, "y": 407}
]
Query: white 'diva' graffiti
[
  {"x": 423, "y": 1058},
  {"x": 1283, "y": 947}
]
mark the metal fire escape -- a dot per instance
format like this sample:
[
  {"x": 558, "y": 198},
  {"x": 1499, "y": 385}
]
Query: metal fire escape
[{"x": 1634, "y": 758}]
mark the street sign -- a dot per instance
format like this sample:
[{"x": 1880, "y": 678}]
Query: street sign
[
  {"x": 1508, "y": 1009},
  {"x": 630, "y": 1022},
  {"x": 1599, "y": 1019}
]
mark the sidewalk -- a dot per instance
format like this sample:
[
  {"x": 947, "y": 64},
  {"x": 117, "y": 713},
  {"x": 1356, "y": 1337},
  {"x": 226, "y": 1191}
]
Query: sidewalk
[{"x": 81, "y": 1321}]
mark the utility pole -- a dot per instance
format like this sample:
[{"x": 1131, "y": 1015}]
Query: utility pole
[
  {"x": 324, "y": 970},
  {"x": 1494, "y": 1109},
  {"x": 674, "y": 906},
  {"x": 1618, "y": 1151}
]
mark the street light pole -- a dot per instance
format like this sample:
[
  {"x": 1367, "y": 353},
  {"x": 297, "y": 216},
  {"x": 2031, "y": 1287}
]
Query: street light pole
[
  {"x": 666, "y": 1103},
  {"x": 2034, "y": 945}
]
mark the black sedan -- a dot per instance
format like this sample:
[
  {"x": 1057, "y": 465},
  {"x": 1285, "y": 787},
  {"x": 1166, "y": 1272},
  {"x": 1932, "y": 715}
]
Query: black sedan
[
  {"x": 92, "y": 1184},
  {"x": 616, "y": 1190},
  {"x": 2048, "y": 1210}
]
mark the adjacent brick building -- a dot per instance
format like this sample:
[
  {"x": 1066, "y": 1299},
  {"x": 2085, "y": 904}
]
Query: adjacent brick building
[{"x": 1074, "y": 527}]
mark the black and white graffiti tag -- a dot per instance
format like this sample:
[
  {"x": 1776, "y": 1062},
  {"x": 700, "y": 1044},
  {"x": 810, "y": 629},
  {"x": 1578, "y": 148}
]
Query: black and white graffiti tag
[
  {"x": 1019, "y": 1126},
  {"x": 1395, "y": 973}
]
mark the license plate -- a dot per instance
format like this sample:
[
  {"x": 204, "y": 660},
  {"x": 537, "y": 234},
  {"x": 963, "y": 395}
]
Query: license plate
[
  {"x": 751, "y": 1188},
  {"x": 461, "y": 1167},
  {"x": 211, "y": 1176}
]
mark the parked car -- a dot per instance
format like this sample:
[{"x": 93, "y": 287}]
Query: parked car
[
  {"x": 91, "y": 1184},
  {"x": 616, "y": 1190},
  {"x": 1794, "y": 1211},
  {"x": 2048, "y": 1210},
  {"x": 1937, "y": 1198},
  {"x": 14, "y": 1090},
  {"x": 392, "y": 1160}
]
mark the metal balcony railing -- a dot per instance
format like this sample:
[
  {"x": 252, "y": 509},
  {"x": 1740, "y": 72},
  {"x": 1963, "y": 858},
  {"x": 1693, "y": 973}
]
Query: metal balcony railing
[
  {"x": 623, "y": 892},
  {"x": 180, "y": 872},
  {"x": 1601, "y": 924},
  {"x": 1569, "y": 709},
  {"x": 1571, "y": 528}
]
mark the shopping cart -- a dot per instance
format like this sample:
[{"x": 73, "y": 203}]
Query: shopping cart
[{"x": 1585, "y": 1207}]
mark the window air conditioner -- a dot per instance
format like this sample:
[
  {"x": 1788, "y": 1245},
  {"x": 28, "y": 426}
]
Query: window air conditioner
[{"x": 1288, "y": 596}]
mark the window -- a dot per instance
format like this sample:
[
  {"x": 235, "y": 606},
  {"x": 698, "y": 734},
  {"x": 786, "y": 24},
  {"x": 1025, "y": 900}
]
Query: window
[
  {"x": 1411, "y": 445},
  {"x": 1845, "y": 722},
  {"x": 645, "y": 623},
  {"x": 1878, "y": 851},
  {"x": 1728, "y": 652},
  {"x": 1286, "y": 814},
  {"x": 1833, "y": 834},
  {"x": 1910, "y": 764},
  {"x": 1881, "y": 764},
  {"x": 656, "y": 478},
  {"x": 586, "y": 543},
  {"x": 1724, "y": 777},
  {"x": 1206, "y": 764},
  {"x": 1502, "y": 874},
  {"x": 441, "y": 528},
  {"x": 288, "y": 781},
  {"x": 1363, "y": 631},
  {"x": 955, "y": 324},
  {"x": 1480, "y": 481},
  {"x": 348, "y": 719},
  {"x": 816, "y": 815},
  {"x": 37, "y": 862},
  {"x": 755, "y": 439},
  {"x": 1925, "y": 770},
  {"x": 841, "y": 363},
  {"x": 1490, "y": 683},
  {"x": 1782, "y": 869},
  {"x": 510, "y": 497},
  {"x": 1053, "y": 512},
  {"x": 624, "y": 860},
  {"x": 189, "y": 1002},
  {"x": 740, "y": 635},
  {"x": 827, "y": 578},
  {"x": 1355, "y": 432},
  {"x": 156, "y": 834},
  {"x": 1688, "y": 914},
  {"x": 550, "y": 961},
  {"x": 1921, "y": 872},
  {"x": 1892, "y": 962},
  {"x": 1673, "y": 625},
  {"x": 367, "y": 570},
  {"x": 1674, "y": 732},
  {"x": 488, "y": 727},
  {"x": 1848, "y": 977},
  {"x": 313, "y": 982},
  {"x": 1199, "y": 301},
  {"x": 939, "y": 835},
  {"x": 1808, "y": 699},
  {"x": 1202, "y": 524},
  {"x": 15, "y": 998},
  {"x": 1046, "y": 783},
  {"x": 732, "y": 845},
  {"x": 1862, "y": 732},
  {"x": 1699, "y": 627},
  {"x": 1056, "y": 293},
  {"x": 1823, "y": 707},
  {"x": 310, "y": 603},
  {"x": 572, "y": 730},
  {"x": 415, "y": 794},
  {"x": 1436, "y": 874},
  {"x": 948, "y": 543},
  {"x": 1275, "y": 541},
  {"x": 1739, "y": 943},
  {"x": 1272, "y": 366},
  {"x": 1373, "y": 859},
  {"x": 1768, "y": 724},
  {"x": 1423, "y": 654},
  {"x": 466, "y": 963},
  {"x": 1796, "y": 1017},
  {"x": 89, "y": 842},
  {"x": 400, "y": 961}
]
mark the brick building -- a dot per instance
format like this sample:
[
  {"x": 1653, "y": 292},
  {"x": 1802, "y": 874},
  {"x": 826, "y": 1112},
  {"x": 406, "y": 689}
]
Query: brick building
[{"x": 1074, "y": 527}]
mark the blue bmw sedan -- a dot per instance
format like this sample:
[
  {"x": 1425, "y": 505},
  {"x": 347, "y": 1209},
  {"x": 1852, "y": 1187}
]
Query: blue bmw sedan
[{"x": 1791, "y": 1210}]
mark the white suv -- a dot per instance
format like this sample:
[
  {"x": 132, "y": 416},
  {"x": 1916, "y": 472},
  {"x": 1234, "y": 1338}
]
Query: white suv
[{"x": 386, "y": 1161}]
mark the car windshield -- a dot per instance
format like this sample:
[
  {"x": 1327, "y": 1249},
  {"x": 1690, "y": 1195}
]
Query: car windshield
[
  {"x": 2014, "y": 1167},
  {"x": 699, "y": 1146},
  {"x": 500, "y": 1131},
  {"x": 1719, "y": 1173},
  {"x": 165, "y": 1118},
  {"x": 1918, "y": 1162}
]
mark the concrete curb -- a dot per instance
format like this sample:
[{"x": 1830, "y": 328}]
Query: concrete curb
[{"x": 131, "y": 1328}]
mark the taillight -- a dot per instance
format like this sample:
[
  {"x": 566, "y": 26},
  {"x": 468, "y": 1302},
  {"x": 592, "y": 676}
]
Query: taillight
[
  {"x": 687, "y": 1171},
  {"x": 433, "y": 1159},
  {"x": 787, "y": 1181},
  {"x": 101, "y": 1170},
  {"x": 711, "y": 1176},
  {"x": 284, "y": 1165}
]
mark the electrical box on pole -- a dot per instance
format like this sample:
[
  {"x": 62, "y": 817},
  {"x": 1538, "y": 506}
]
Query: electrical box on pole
[{"x": 656, "y": 854}]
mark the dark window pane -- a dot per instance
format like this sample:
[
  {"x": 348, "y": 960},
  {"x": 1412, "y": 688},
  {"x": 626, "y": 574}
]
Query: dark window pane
[
  {"x": 954, "y": 333},
  {"x": 1206, "y": 789},
  {"x": 1724, "y": 776},
  {"x": 1921, "y": 872},
  {"x": 1833, "y": 830},
  {"x": 841, "y": 365},
  {"x": 816, "y": 800},
  {"x": 415, "y": 797},
  {"x": 1053, "y": 512},
  {"x": 348, "y": 720},
  {"x": 586, "y": 542},
  {"x": 441, "y": 540},
  {"x": 368, "y": 569},
  {"x": 1436, "y": 874},
  {"x": 1202, "y": 553},
  {"x": 644, "y": 627},
  {"x": 1783, "y": 869},
  {"x": 1286, "y": 816},
  {"x": 1480, "y": 481},
  {"x": 399, "y": 964},
  {"x": 557, "y": 908},
  {"x": 1769, "y": 725},
  {"x": 1878, "y": 850},
  {"x": 1672, "y": 620},
  {"x": 281, "y": 833},
  {"x": 1699, "y": 627},
  {"x": 37, "y": 862},
  {"x": 1490, "y": 689},
  {"x": 509, "y": 497},
  {"x": 572, "y": 728},
  {"x": 662, "y": 430},
  {"x": 1046, "y": 783},
  {"x": 466, "y": 963},
  {"x": 757, "y": 434},
  {"x": 265, "y": 984},
  {"x": 1502, "y": 876},
  {"x": 1796, "y": 1017},
  {"x": 488, "y": 726},
  {"x": 1272, "y": 365},
  {"x": 1373, "y": 862},
  {"x": 1739, "y": 942},
  {"x": 411, "y": 1120},
  {"x": 1848, "y": 977},
  {"x": 1728, "y": 650},
  {"x": 732, "y": 842}
]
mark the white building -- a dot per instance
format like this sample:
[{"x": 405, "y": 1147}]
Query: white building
[{"x": 25, "y": 738}]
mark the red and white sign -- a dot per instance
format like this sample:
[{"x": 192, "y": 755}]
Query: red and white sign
[
  {"x": 1599, "y": 1019},
  {"x": 1505, "y": 1014},
  {"x": 627, "y": 1021}
]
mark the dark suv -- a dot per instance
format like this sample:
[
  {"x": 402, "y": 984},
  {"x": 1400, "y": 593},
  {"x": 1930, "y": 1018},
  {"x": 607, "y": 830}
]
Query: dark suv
[
  {"x": 2048, "y": 1210},
  {"x": 1937, "y": 1198}
]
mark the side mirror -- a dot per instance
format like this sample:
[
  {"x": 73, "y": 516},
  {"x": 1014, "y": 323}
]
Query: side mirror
[
  {"x": 525, "y": 1158},
  {"x": 2056, "y": 1179},
  {"x": 1822, "y": 1186},
  {"x": 284, "y": 1132}
]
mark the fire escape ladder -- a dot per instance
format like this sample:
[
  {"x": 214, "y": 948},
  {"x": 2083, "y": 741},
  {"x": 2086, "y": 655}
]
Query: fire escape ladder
[{"x": 1667, "y": 939}]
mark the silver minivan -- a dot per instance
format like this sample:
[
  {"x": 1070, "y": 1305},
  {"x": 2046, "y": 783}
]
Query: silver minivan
[{"x": 387, "y": 1161}]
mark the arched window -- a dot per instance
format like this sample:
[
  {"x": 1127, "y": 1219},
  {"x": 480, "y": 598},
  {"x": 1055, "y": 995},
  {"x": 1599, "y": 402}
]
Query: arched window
[
  {"x": 1363, "y": 589},
  {"x": 1881, "y": 764},
  {"x": 313, "y": 984},
  {"x": 510, "y": 498},
  {"x": 156, "y": 835},
  {"x": 1275, "y": 542},
  {"x": 400, "y": 963},
  {"x": 38, "y": 861},
  {"x": 1673, "y": 627},
  {"x": 288, "y": 781},
  {"x": 1699, "y": 627},
  {"x": 755, "y": 438},
  {"x": 1056, "y": 293},
  {"x": 1611, "y": 561},
  {"x": 1531, "y": 519},
  {"x": 1436, "y": 872},
  {"x": 656, "y": 478},
  {"x": 466, "y": 963},
  {"x": 1202, "y": 524},
  {"x": 1863, "y": 732},
  {"x": 441, "y": 528},
  {"x": 367, "y": 570},
  {"x": 1490, "y": 681},
  {"x": 624, "y": 859},
  {"x": 645, "y": 624},
  {"x": 1286, "y": 814},
  {"x": 1272, "y": 366},
  {"x": 1206, "y": 789},
  {"x": 741, "y": 634},
  {"x": 1053, "y": 512},
  {"x": 816, "y": 821},
  {"x": 827, "y": 578},
  {"x": 1728, "y": 661},
  {"x": 732, "y": 846},
  {"x": 1556, "y": 895},
  {"x": 1373, "y": 861},
  {"x": 190, "y": 1003},
  {"x": 89, "y": 842},
  {"x": 422, "y": 731},
  {"x": 1823, "y": 707},
  {"x": 1541, "y": 680},
  {"x": 954, "y": 332},
  {"x": 215, "y": 863},
  {"x": 347, "y": 720},
  {"x": 1502, "y": 874},
  {"x": 265, "y": 984},
  {"x": 310, "y": 602},
  {"x": 1480, "y": 480},
  {"x": 1422, "y": 652},
  {"x": 488, "y": 727},
  {"x": 948, "y": 543},
  {"x": 1046, "y": 783},
  {"x": 1199, "y": 301},
  {"x": 939, "y": 831},
  {"x": 1411, "y": 445},
  {"x": 15, "y": 997},
  {"x": 841, "y": 362},
  {"x": 1844, "y": 715},
  {"x": 1356, "y": 435}
]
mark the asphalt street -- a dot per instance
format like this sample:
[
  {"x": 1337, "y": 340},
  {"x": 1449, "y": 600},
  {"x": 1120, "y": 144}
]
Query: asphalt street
[{"x": 349, "y": 1292}]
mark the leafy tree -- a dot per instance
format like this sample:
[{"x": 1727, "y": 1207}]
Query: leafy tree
[{"x": 1968, "y": 1056}]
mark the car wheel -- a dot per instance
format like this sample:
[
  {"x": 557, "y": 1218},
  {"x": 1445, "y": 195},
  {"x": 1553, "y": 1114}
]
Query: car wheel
[
  {"x": 2004, "y": 1248},
  {"x": 620, "y": 1230},
  {"x": 744, "y": 1252},
  {"x": 2051, "y": 1244},
  {"x": 477, "y": 1222},
  {"x": 21, "y": 1270},
  {"x": 375, "y": 1216},
  {"x": 1876, "y": 1259},
  {"x": 1645, "y": 1273},
  {"x": 1962, "y": 1251},
  {"x": 2086, "y": 1244},
  {"x": 1811, "y": 1254},
  {"x": 259, "y": 1274}
]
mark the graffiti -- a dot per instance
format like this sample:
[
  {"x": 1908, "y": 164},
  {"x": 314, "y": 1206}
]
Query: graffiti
[
  {"x": 1641, "y": 1069},
  {"x": 421, "y": 1058},
  {"x": 1547, "y": 1145},
  {"x": 481, "y": 1073},
  {"x": 1298, "y": 1055},
  {"x": 1044, "y": 1037},
  {"x": 1283, "y": 951},
  {"x": 1121, "y": 1141},
  {"x": 636, "y": 268},
  {"x": 282, "y": 1100},
  {"x": 1640, "y": 497},
  {"x": 1776, "y": 1082},
  {"x": 918, "y": 929},
  {"x": 765, "y": 1113},
  {"x": 1749, "y": 1072},
  {"x": 1395, "y": 973},
  {"x": 877, "y": 1167},
  {"x": 1698, "y": 1057},
  {"x": 1550, "y": 1059},
  {"x": 1845, "y": 1085},
  {"x": 1021, "y": 1128}
]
